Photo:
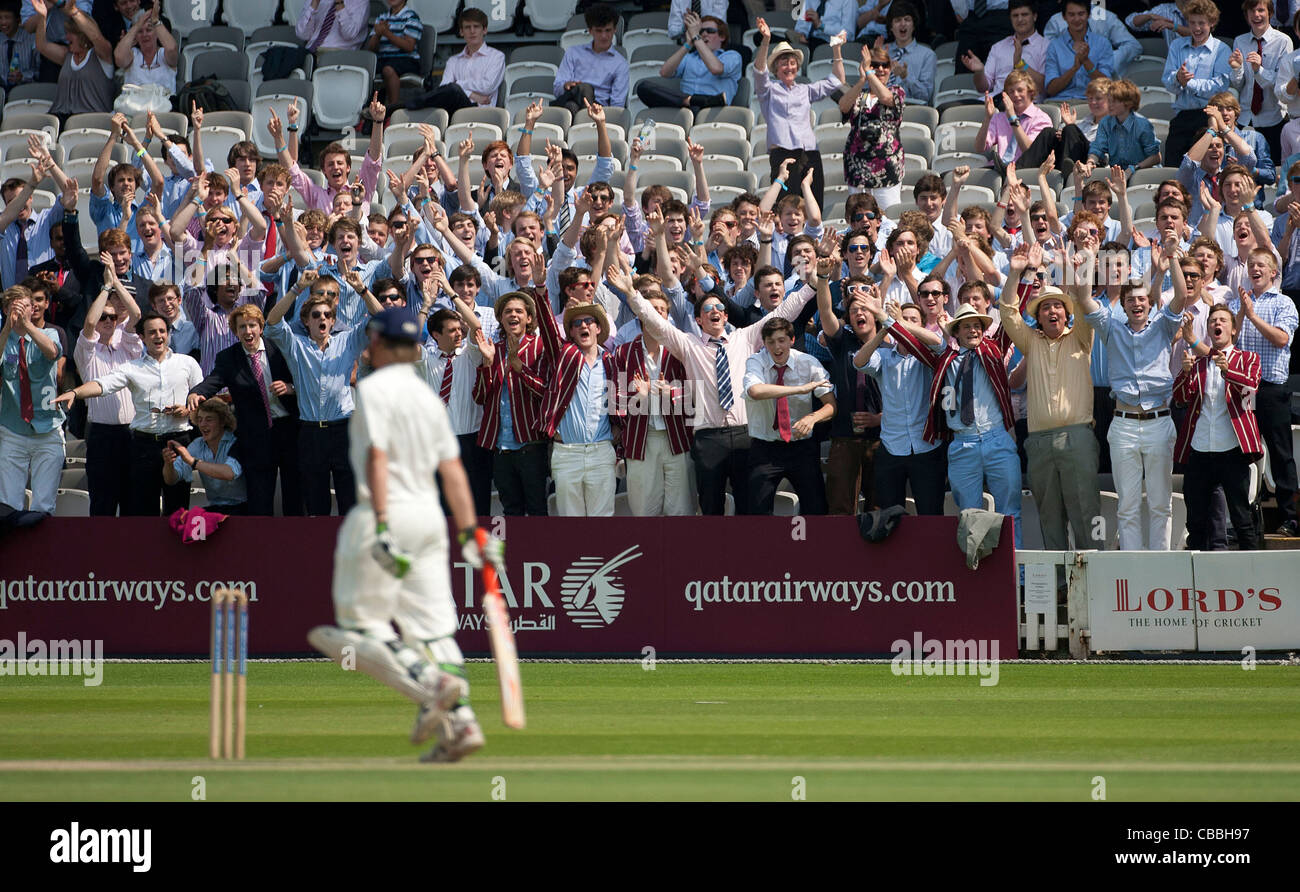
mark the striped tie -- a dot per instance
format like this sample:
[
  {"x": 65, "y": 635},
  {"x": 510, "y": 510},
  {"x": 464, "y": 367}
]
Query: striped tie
[
  {"x": 725, "y": 398},
  {"x": 325, "y": 28},
  {"x": 444, "y": 389},
  {"x": 564, "y": 216}
]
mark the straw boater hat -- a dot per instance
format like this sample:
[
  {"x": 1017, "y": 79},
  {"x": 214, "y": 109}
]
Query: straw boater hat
[
  {"x": 595, "y": 310},
  {"x": 1054, "y": 294},
  {"x": 515, "y": 295},
  {"x": 780, "y": 50},
  {"x": 964, "y": 312}
]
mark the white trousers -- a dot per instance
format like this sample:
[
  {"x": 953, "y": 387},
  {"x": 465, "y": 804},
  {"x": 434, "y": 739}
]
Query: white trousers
[
  {"x": 1143, "y": 451},
  {"x": 660, "y": 482},
  {"x": 367, "y": 598},
  {"x": 39, "y": 457},
  {"x": 584, "y": 479}
]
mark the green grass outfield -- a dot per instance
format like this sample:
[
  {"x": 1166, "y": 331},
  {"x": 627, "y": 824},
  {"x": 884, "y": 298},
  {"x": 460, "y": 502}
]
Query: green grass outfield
[{"x": 681, "y": 732}]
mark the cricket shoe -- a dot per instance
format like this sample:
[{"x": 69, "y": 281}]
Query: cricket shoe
[
  {"x": 448, "y": 690},
  {"x": 458, "y": 736}
]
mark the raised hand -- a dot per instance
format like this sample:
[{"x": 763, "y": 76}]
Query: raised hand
[
  {"x": 766, "y": 224},
  {"x": 960, "y": 175},
  {"x": 485, "y": 347},
  {"x": 1048, "y": 165},
  {"x": 1236, "y": 59},
  {"x": 972, "y": 62},
  {"x": 763, "y": 29},
  {"x": 69, "y": 196},
  {"x": 1068, "y": 114},
  {"x": 532, "y": 114},
  {"x": 293, "y": 111},
  {"x": 990, "y": 109},
  {"x": 275, "y": 127},
  {"x": 596, "y": 112},
  {"x": 196, "y": 114},
  {"x": 377, "y": 110},
  {"x": 1019, "y": 261},
  {"x": 466, "y": 147},
  {"x": 695, "y": 150}
]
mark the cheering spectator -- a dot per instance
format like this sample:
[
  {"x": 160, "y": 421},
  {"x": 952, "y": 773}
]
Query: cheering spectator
[
  {"x": 450, "y": 369},
  {"x": 472, "y": 76},
  {"x": 1102, "y": 21},
  {"x": 873, "y": 157},
  {"x": 1267, "y": 325},
  {"x": 86, "y": 64},
  {"x": 26, "y": 241},
  {"x": 1263, "y": 50},
  {"x": 396, "y": 39},
  {"x": 336, "y": 25},
  {"x": 1220, "y": 438},
  {"x": 1262, "y": 168},
  {"x": 787, "y": 106},
  {"x": 1025, "y": 50},
  {"x": 1124, "y": 138},
  {"x": 914, "y": 62},
  {"x": 1077, "y": 54},
  {"x": 1023, "y": 133},
  {"x": 1197, "y": 67},
  {"x": 709, "y": 75},
  {"x": 158, "y": 382},
  {"x": 31, "y": 427},
  {"x": 21, "y": 59},
  {"x": 779, "y": 385},
  {"x": 148, "y": 52},
  {"x": 594, "y": 72},
  {"x": 210, "y": 458},
  {"x": 261, "y": 387}
]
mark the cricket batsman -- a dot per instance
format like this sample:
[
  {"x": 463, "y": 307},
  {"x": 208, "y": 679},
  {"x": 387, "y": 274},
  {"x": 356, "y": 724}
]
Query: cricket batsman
[{"x": 391, "y": 562}]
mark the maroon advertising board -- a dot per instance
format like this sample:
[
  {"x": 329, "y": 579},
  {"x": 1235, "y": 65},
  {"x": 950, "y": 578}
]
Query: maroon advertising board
[{"x": 733, "y": 586}]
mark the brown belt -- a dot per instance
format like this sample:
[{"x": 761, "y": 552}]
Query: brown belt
[{"x": 1142, "y": 416}]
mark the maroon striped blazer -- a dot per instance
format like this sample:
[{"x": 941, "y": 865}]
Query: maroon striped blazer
[
  {"x": 629, "y": 358},
  {"x": 1241, "y": 381},
  {"x": 990, "y": 354},
  {"x": 566, "y": 360},
  {"x": 526, "y": 389}
]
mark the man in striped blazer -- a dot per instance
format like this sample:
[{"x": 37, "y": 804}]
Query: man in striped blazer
[
  {"x": 1219, "y": 439},
  {"x": 656, "y": 434},
  {"x": 510, "y": 385},
  {"x": 970, "y": 408},
  {"x": 576, "y": 411}
]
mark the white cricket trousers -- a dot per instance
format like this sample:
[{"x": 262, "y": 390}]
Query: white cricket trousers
[
  {"x": 1143, "y": 451},
  {"x": 367, "y": 598},
  {"x": 584, "y": 479},
  {"x": 39, "y": 456},
  {"x": 660, "y": 482}
]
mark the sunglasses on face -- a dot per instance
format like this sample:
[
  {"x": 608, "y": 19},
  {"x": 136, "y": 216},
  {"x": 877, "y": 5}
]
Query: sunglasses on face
[
  {"x": 710, "y": 307},
  {"x": 1040, "y": 275},
  {"x": 390, "y": 297},
  {"x": 397, "y": 224},
  {"x": 730, "y": 224},
  {"x": 868, "y": 215},
  {"x": 1037, "y": 216},
  {"x": 424, "y": 259},
  {"x": 709, "y": 31},
  {"x": 1188, "y": 274},
  {"x": 582, "y": 322},
  {"x": 108, "y": 317},
  {"x": 855, "y": 249},
  {"x": 583, "y": 285},
  {"x": 1091, "y": 233},
  {"x": 885, "y": 66},
  {"x": 321, "y": 314},
  {"x": 931, "y": 293}
]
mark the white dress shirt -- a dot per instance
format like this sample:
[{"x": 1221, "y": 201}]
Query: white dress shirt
[
  {"x": 466, "y": 415},
  {"x": 1214, "y": 431},
  {"x": 155, "y": 385},
  {"x": 481, "y": 72},
  {"x": 800, "y": 369},
  {"x": 1277, "y": 46}
]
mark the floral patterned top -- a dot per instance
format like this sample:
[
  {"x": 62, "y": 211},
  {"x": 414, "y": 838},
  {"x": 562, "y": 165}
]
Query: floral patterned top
[{"x": 873, "y": 156}]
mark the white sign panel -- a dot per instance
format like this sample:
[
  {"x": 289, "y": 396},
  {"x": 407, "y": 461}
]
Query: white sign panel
[
  {"x": 1040, "y": 589},
  {"x": 1247, "y": 599},
  {"x": 1141, "y": 600}
]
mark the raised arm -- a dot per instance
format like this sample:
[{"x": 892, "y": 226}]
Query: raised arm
[
  {"x": 117, "y": 124},
  {"x": 19, "y": 201},
  {"x": 122, "y": 52},
  {"x": 760, "y": 57},
  {"x": 90, "y": 31},
  {"x": 55, "y": 52}
]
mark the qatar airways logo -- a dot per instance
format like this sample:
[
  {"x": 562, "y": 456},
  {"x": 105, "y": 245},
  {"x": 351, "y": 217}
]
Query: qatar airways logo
[{"x": 1220, "y": 600}]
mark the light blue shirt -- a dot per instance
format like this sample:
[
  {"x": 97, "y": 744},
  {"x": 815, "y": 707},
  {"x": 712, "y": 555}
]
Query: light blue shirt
[
  {"x": 1138, "y": 361},
  {"x": 607, "y": 73},
  {"x": 321, "y": 377},
  {"x": 904, "y": 398},
  {"x": 56, "y": 21},
  {"x": 157, "y": 270},
  {"x": 174, "y": 185},
  {"x": 352, "y": 310},
  {"x": 585, "y": 421},
  {"x": 185, "y": 337},
  {"x": 107, "y": 214},
  {"x": 837, "y": 16},
  {"x": 1276, "y": 310},
  {"x": 1164, "y": 10},
  {"x": 1126, "y": 143},
  {"x": 1060, "y": 59},
  {"x": 220, "y": 492},
  {"x": 1262, "y": 165},
  {"x": 527, "y": 177},
  {"x": 988, "y": 414},
  {"x": 1100, "y": 374},
  {"x": 507, "y": 440},
  {"x": 38, "y": 242},
  {"x": 1208, "y": 64},
  {"x": 40, "y": 372},
  {"x": 1192, "y": 175},
  {"x": 697, "y": 80},
  {"x": 920, "y": 61}
]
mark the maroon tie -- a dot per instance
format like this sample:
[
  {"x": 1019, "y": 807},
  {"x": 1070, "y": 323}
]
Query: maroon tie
[
  {"x": 261, "y": 386},
  {"x": 1257, "y": 98},
  {"x": 444, "y": 389},
  {"x": 782, "y": 421},
  {"x": 25, "y": 407}
]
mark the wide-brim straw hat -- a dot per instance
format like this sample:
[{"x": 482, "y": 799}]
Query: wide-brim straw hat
[
  {"x": 1054, "y": 294},
  {"x": 595, "y": 310},
  {"x": 780, "y": 50},
  {"x": 964, "y": 312}
]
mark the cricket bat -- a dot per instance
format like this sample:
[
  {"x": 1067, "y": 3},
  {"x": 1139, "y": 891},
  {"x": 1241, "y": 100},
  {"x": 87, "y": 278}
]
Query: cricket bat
[{"x": 502, "y": 641}]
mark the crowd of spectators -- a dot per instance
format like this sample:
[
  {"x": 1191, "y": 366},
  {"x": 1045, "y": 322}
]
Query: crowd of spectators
[{"x": 688, "y": 353}]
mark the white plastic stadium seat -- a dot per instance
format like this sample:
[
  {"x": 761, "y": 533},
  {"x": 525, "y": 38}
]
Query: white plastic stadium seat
[
  {"x": 575, "y": 37},
  {"x": 649, "y": 165},
  {"x": 217, "y": 142},
  {"x": 192, "y": 51},
  {"x": 516, "y": 70},
  {"x": 439, "y": 15},
  {"x": 83, "y": 136},
  {"x": 549, "y": 15},
  {"x": 186, "y": 16},
  {"x": 13, "y": 143},
  {"x": 261, "y": 112},
  {"x": 501, "y": 16},
  {"x": 72, "y": 503},
  {"x": 786, "y": 504},
  {"x": 644, "y": 37},
  {"x": 341, "y": 92},
  {"x": 249, "y": 15},
  {"x": 483, "y": 134},
  {"x": 515, "y": 104}
]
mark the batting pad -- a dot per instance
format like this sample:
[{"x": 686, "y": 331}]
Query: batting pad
[{"x": 353, "y": 650}]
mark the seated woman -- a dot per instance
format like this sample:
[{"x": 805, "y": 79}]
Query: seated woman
[
  {"x": 210, "y": 457},
  {"x": 148, "y": 52}
]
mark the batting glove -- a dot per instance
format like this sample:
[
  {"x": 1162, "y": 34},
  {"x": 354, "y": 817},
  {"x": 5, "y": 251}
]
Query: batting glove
[
  {"x": 388, "y": 554},
  {"x": 494, "y": 550}
]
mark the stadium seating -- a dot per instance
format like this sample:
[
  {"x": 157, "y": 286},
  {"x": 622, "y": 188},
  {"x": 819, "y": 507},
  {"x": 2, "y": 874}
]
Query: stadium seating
[
  {"x": 500, "y": 16},
  {"x": 339, "y": 94},
  {"x": 33, "y": 121},
  {"x": 549, "y": 15},
  {"x": 279, "y": 95}
]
